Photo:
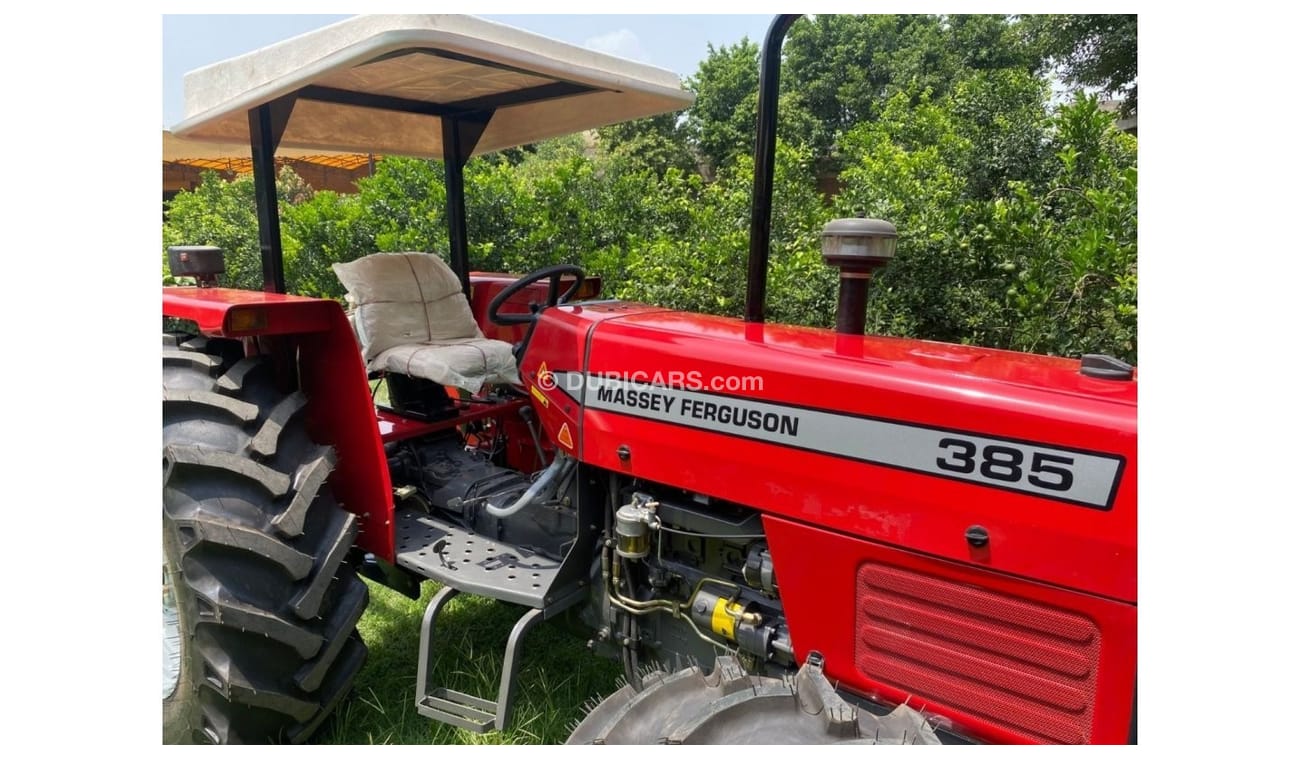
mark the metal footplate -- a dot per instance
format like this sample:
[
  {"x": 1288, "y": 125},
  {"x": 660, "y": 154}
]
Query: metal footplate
[
  {"x": 475, "y": 564},
  {"x": 465, "y": 561}
]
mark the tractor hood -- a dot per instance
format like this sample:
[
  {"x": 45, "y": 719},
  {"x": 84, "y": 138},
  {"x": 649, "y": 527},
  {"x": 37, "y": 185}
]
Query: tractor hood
[
  {"x": 381, "y": 84},
  {"x": 904, "y": 442}
]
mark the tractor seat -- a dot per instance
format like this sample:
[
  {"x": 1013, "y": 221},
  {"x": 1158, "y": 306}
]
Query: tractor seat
[{"x": 412, "y": 318}]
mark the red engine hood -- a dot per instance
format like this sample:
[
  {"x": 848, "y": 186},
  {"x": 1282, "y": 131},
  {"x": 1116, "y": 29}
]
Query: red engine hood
[
  {"x": 933, "y": 365},
  {"x": 877, "y": 416}
]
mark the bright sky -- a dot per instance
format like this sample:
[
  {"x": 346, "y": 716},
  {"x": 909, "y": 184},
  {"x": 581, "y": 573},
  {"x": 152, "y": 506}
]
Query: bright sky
[{"x": 676, "y": 43}]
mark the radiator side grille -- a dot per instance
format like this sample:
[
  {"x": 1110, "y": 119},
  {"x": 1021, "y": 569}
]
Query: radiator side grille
[{"x": 1020, "y": 664}]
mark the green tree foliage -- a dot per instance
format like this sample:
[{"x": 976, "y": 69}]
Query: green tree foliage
[
  {"x": 984, "y": 42},
  {"x": 658, "y": 143},
  {"x": 1091, "y": 50},
  {"x": 720, "y": 124},
  {"x": 223, "y": 214},
  {"x": 406, "y": 203},
  {"x": 322, "y": 230},
  {"x": 1046, "y": 263},
  {"x": 1002, "y": 114},
  {"x": 846, "y": 68}
]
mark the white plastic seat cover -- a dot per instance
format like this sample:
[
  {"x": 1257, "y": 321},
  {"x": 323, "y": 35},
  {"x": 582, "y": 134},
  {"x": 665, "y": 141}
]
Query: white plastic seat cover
[{"x": 412, "y": 318}]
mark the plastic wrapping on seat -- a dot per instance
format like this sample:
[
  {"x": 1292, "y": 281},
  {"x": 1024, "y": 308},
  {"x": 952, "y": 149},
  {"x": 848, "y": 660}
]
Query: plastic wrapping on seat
[
  {"x": 467, "y": 363},
  {"x": 411, "y": 318}
]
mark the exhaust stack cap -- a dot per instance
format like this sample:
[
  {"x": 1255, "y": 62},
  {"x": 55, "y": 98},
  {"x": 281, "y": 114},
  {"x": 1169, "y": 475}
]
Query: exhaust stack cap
[{"x": 858, "y": 245}]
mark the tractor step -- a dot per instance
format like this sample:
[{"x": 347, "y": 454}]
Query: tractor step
[
  {"x": 457, "y": 708},
  {"x": 463, "y": 561},
  {"x": 453, "y": 556}
]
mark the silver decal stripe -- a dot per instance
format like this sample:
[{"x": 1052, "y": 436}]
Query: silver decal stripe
[{"x": 1084, "y": 478}]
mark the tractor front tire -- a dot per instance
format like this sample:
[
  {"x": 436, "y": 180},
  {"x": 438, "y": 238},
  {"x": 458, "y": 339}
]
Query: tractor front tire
[
  {"x": 259, "y": 607},
  {"x": 730, "y": 706}
]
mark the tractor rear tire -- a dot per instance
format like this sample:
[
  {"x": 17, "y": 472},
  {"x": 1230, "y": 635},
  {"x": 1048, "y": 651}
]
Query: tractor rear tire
[
  {"x": 729, "y": 706},
  {"x": 259, "y": 607}
]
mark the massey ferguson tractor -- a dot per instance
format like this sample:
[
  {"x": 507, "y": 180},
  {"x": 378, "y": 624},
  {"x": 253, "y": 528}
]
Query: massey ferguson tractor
[{"x": 883, "y": 541}]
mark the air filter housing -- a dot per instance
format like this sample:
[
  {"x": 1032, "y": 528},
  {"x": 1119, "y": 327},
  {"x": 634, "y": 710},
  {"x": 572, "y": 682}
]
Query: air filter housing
[{"x": 857, "y": 247}]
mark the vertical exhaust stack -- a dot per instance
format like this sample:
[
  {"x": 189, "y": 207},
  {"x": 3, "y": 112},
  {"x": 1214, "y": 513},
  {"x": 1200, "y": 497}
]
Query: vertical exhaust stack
[{"x": 857, "y": 247}]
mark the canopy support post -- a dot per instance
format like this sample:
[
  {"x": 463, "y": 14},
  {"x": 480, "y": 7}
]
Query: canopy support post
[
  {"x": 459, "y": 136},
  {"x": 266, "y": 125}
]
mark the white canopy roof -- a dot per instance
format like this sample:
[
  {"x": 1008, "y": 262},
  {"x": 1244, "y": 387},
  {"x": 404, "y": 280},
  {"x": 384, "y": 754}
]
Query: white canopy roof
[{"x": 380, "y": 84}]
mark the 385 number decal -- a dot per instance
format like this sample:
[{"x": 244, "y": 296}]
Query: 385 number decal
[{"x": 1006, "y": 464}]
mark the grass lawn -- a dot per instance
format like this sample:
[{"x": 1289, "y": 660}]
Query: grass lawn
[{"x": 557, "y": 674}]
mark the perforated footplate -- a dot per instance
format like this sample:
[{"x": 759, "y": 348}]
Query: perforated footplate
[{"x": 472, "y": 563}]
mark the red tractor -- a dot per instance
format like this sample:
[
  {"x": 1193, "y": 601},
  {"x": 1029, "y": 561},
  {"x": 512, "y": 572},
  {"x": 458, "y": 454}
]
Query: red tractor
[{"x": 871, "y": 540}]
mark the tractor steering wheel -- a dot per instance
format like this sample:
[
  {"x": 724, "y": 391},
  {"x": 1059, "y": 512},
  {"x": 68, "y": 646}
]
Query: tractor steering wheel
[{"x": 553, "y": 295}]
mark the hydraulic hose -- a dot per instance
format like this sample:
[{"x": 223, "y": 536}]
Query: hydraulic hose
[{"x": 558, "y": 469}]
